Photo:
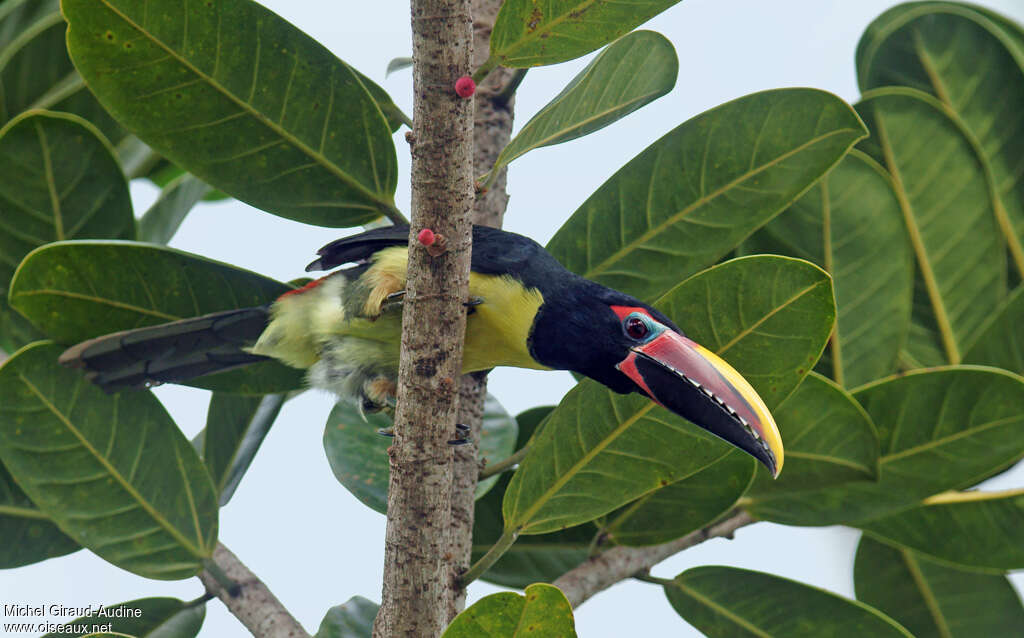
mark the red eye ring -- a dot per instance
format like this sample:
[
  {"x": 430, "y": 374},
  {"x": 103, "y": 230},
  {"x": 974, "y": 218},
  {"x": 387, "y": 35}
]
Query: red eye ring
[{"x": 636, "y": 327}]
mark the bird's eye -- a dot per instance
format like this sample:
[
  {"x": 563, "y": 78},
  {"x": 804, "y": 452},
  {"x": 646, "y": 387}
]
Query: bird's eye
[{"x": 636, "y": 327}]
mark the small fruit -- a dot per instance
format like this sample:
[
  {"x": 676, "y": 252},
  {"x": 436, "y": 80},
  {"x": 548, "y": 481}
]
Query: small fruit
[
  {"x": 426, "y": 237},
  {"x": 465, "y": 86}
]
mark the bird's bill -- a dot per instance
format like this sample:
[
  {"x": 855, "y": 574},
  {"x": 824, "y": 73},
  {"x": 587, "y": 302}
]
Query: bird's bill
[{"x": 699, "y": 386}]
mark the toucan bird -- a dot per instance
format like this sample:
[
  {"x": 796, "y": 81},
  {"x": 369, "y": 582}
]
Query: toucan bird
[{"x": 525, "y": 310}]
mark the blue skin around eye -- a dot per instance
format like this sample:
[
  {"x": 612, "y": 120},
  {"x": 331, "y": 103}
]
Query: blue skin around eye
[{"x": 653, "y": 327}]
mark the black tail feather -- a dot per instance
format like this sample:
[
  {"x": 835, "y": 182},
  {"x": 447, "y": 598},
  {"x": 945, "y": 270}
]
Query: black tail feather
[{"x": 171, "y": 352}]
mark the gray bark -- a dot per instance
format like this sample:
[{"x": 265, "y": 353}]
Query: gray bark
[{"x": 417, "y": 570}]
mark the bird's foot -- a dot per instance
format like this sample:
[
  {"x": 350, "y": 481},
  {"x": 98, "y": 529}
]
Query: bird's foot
[
  {"x": 392, "y": 302},
  {"x": 461, "y": 430}
]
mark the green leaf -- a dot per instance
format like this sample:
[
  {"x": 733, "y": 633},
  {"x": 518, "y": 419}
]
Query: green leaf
[
  {"x": 15, "y": 330},
  {"x": 729, "y": 602},
  {"x": 529, "y": 422},
  {"x": 394, "y": 115},
  {"x": 850, "y": 224},
  {"x": 968, "y": 63},
  {"x": 114, "y": 473},
  {"x": 635, "y": 70},
  {"x": 29, "y": 535},
  {"x": 829, "y": 439},
  {"x": 945, "y": 195},
  {"x": 397, "y": 64},
  {"x": 1000, "y": 340},
  {"x": 693, "y": 195},
  {"x": 683, "y": 507},
  {"x": 977, "y": 530},
  {"x": 358, "y": 454},
  {"x": 938, "y": 430},
  {"x": 58, "y": 180},
  {"x": 235, "y": 428},
  {"x": 36, "y": 72},
  {"x": 539, "y": 558},
  {"x": 543, "y": 612},
  {"x": 77, "y": 290},
  {"x": 161, "y": 221},
  {"x": 352, "y": 619},
  {"x": 498, "y": 435},
  {"x": 599, "y": 450},
  {"x": 531, "y": 33},
  {"x": 259, "y": 110},
  {"x": 934, "y": 600},
  {"x": 157, "y": 618}
]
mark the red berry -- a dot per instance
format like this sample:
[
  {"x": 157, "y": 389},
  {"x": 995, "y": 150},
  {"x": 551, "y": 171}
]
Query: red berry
[
  {"x": 465, "y": 86},
  {"x": 426, "y": 237}
]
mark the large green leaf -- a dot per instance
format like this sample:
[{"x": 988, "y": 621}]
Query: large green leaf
[
  {"x": 768, "y": 316},
  {"x": 727, "y": 602},
  {"x": 682, "y": 507},
  {"x": 635, "y": 70},
  {"x": 945, "y": 194},
  {"x": 938, "y": 430},
  {"x": 850, "y": 224},
  {"x": 539, "y": 558},
  {"x": 1000, "y": 340},
  {"x": 542, "y": 612},
  {"x": 934, "y": 600},
  {"x": 143, "y": 618},
  {"x": 58, "y": 180},
  {"x": 78, "y": 290},
  {"x": 243, "y": 100},
  {"x": 967, "y": 62},
  {"x": 36, "y": 72},
  {"x": 115, "y": 473},
  {"x": 29, "y": 535},
  {"x": 358, "y": 454},
  {"x": 164, "y": 217},
  {"x": 235, "y": 428},
  {"x": 693, "y": 195},
  {"x": 537, "y": 32},
  {"x": 829, "y": 441},
  {"x": 351, "y": 619},
  {"x": 978, "y": 530}
]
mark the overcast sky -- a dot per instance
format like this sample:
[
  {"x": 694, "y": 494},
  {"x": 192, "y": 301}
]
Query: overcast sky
[{"x": 290, "y": 521}]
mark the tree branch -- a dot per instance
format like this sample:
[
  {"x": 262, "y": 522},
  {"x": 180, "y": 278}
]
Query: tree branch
[
  {"x": 492, "y": 129},
  {"x": 250, "y": 601},
  {"x": 417, "y": 562},
  {"x": 607, "y": 568}
]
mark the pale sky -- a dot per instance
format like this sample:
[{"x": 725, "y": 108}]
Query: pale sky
[{"x": 290, "y": 521}]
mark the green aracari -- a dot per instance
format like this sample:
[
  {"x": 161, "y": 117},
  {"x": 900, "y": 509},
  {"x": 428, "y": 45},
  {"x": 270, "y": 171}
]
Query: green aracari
[{"x": 525, "y": 310}]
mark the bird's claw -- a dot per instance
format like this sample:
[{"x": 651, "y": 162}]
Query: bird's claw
[{"x": 461, "y": 429}]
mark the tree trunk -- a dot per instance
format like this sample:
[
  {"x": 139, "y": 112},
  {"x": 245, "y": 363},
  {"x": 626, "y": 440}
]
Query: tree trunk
[
  {"x": 492, "y": 128},
  {"x": 417, "y": 574}
]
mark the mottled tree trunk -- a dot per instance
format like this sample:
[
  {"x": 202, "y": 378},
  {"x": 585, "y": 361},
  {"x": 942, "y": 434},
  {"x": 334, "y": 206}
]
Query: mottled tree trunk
[
  {"x": 417, "y": 570},
  {"x": 492, "y": 127}
]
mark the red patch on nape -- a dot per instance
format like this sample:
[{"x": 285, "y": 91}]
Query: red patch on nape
[
  {"x": 625, "y": 311},
  {"x": 311, "y": 285}
]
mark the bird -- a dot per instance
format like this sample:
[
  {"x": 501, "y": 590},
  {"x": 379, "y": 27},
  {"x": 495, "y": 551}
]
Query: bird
[{"x": 524, "y": 310}]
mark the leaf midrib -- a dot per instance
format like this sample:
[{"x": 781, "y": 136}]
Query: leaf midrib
[
  {"x": 721, "y": 610},
  {"x": 630, "y": 246},
  {"x": 156, "y": 516},
  {"x": 99, "y": 300},
  {"x": 926, "y": 593},
  {"x": 948, "y": 439},
  {"x": 544, "y": 29},
  {"x": 256, "y": 115}
]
